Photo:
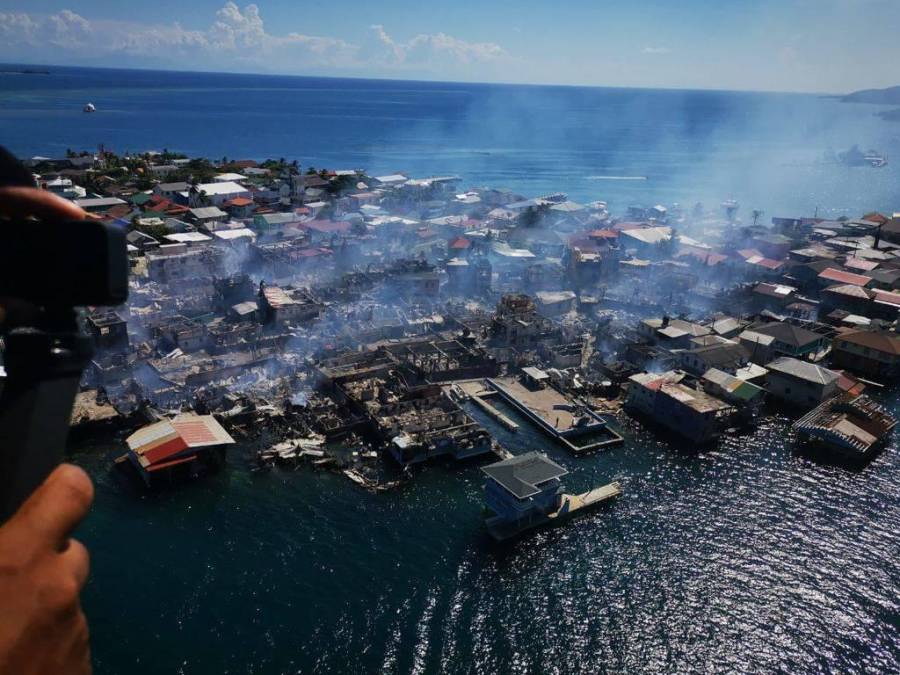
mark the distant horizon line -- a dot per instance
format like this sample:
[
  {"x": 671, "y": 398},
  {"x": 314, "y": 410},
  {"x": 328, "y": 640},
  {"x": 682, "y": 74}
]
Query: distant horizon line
[{"x": 434, "y": 81}]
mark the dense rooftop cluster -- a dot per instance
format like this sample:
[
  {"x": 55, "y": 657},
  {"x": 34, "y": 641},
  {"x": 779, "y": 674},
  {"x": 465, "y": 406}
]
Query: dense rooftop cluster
[{"x": 347, "y": 305}]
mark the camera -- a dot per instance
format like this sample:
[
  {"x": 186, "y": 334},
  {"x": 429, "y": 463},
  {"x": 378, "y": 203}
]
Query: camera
[{"x": 63, "y": 264}]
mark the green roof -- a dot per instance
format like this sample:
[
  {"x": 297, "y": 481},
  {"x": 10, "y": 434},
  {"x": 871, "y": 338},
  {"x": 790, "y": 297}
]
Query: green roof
[{"x": 747, "y": 391}]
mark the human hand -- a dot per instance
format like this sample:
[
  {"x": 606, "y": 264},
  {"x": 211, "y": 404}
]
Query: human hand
[{"x": 42, "y": 571}]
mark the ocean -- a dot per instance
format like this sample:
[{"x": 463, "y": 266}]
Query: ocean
[
  {"x": 749, "y": 557},
  {"x": 625, "y": 146}
]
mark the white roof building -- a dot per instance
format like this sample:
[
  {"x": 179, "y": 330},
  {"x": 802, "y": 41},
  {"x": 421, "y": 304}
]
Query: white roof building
[{"x": 228, "y": 177}]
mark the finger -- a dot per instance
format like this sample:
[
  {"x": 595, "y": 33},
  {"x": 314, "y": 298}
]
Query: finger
[
  {"x": 77, "y": 561},
  {"x": 56, "y": 507},
  {"x": 25, "y": 201}
]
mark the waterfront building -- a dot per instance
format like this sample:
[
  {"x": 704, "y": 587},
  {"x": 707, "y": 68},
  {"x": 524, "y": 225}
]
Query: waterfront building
[
  {"x": 523, "y": 490},
  {"x": 785, "y": 339},
  {"x": 188, "y": 443},
  {"x": 692, "y": 414},
  {"x": 800, "y": 383},
  {"x": 870, "y": 353}
]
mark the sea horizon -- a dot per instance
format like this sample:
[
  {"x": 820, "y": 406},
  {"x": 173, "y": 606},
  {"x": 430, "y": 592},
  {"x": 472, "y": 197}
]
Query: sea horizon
[{"x": 498, "y": 83}]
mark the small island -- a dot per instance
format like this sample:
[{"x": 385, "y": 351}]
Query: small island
[{"x": 887, "y": 96}]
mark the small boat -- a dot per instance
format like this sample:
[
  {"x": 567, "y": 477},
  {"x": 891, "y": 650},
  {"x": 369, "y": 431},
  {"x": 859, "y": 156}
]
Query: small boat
[
  {"x": 875, "y": 159},
  {"x": 90, "y": 107},
  {"x": 856, "y": 157}
]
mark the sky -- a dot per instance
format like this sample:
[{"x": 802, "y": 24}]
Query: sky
[{"x": 828, "y": 46}]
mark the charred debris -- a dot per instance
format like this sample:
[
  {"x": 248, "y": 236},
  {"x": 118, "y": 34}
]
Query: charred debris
[{"x": 362, "y": 323}]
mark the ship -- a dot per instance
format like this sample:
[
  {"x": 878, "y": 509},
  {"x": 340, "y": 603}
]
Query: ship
[
  {"x": 90, "y": 107},
  {"x": 856, "y": 157}
]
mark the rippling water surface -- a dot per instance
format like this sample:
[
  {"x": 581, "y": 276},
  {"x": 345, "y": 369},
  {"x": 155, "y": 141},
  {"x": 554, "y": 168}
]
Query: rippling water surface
[{"x": 748, "y": 558}]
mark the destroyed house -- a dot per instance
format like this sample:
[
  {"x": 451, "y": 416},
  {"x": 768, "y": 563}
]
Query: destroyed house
[
  {"x": 178, "y": 332},
  {"x": 176, "y": 263},
  {"x": 231, "y": 290},
  {"x": 517, "y": 324},
  {"x": 851, "y": 426},
  {"x": 413, "y": 278},
  {"x": 444, "y": 360},
  {"x": 287, "y": 306},
  {"x": 108, "y": 330}
]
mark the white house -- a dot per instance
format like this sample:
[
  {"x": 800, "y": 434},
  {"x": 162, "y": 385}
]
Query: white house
[{"x": 216, "y": 193}]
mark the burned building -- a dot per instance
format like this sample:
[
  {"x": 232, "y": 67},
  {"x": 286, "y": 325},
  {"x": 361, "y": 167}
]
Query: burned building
[
  {"x": 414, "y": 421},
  {"x": 287, "y": 306},
  {"x": 109, "y": 330},
  {"x": 177, "y": 263},
  {"x": 517, "y": 324}
]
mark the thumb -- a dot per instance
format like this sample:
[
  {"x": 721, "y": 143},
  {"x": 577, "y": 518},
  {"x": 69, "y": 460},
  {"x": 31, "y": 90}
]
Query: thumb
[{"x": 51, "y": 513}]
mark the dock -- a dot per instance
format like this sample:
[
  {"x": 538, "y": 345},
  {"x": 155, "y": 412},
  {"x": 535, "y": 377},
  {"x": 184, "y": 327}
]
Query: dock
[
  {"x": 493, "y": 412},
  {"x": 572, "y": 503},
  {"x": 473, "y": 390},
  {"x": 571, "y": 423}
]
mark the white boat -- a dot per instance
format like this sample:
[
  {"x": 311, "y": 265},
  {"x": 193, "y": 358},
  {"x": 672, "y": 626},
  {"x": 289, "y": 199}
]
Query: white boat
[
  {"x": 90, "y": 107},
  {"x": 875, "y": 159}
]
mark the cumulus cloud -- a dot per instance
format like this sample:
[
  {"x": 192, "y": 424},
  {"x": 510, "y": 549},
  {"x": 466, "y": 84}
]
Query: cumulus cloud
[
  {"x": 236, "y": 37},
  {"x": 433, "y": 48}
]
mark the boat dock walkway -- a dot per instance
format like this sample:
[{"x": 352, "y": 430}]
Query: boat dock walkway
[{"x": 572, "y": 503}]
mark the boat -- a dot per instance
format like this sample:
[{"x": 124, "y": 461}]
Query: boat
[
  {"x": 875, "y": 159},
  {"x": 856, "y": 157},
  {"x": 90, "y": 107}
]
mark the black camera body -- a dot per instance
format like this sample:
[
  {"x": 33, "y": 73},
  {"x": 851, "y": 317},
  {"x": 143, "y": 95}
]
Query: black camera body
[
  {"x": 63, "y": 264},
  {"x": 49, "y": 268}
]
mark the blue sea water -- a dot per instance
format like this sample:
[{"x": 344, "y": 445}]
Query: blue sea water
[
  {"x": 746, "y": 558},
  {"x": 766, "y": 150}
]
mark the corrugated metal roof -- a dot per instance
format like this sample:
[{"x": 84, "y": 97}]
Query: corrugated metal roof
[
  {"x": 165, "y": 440},
  {"x": 842, "y": 277},
  {"x": 803, "y": 370}
]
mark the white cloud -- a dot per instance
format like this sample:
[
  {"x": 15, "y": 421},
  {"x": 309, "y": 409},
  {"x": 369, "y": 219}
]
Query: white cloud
[
  {"x": 437, "y": 47},
  {"x": 236, "y": 37},
  {"x": 656, "y": 50}
]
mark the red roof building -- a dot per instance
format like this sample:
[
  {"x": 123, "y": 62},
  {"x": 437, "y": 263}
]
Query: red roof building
[
  {"x": 460, "y": 244},
  {"x": 832, "y": 276},
  {"x": 171, "y": 443}
]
